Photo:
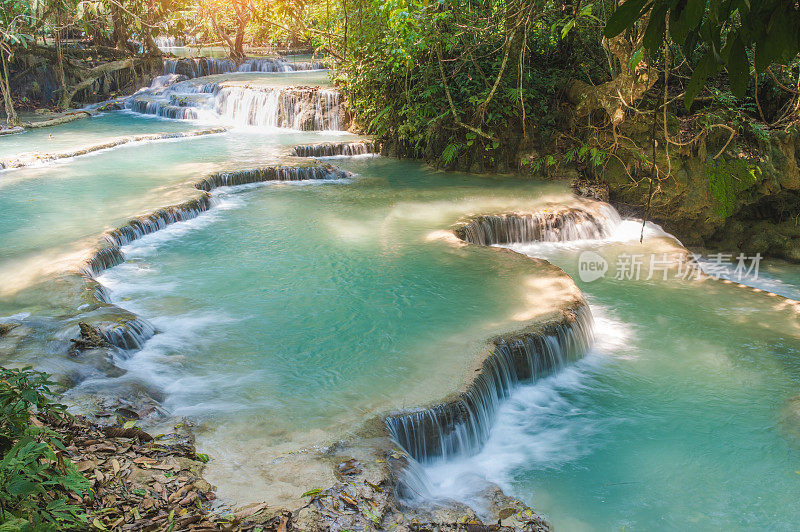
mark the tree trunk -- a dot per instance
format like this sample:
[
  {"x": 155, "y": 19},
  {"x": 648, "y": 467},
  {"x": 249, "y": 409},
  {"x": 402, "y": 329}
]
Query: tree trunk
[
  {"x": 224, "y": 36},
  {"x": 344, "y": 10},
  {"x": 5, "y": 87},
  {"x": 62, "y": 79},
  {"x": 120, "y": 36},
  {"x": 150, "y": 43},
  {"x": 238, "y": 47}
]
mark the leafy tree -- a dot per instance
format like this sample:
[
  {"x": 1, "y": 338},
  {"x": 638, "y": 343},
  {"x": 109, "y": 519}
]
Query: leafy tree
[
  {"x": 727, "y": 33},
  {"x": 16, "y": 17}
]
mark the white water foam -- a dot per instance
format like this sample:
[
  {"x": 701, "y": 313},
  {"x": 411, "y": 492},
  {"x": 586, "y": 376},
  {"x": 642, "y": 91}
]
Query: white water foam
[{"x": 541, "y": 426}]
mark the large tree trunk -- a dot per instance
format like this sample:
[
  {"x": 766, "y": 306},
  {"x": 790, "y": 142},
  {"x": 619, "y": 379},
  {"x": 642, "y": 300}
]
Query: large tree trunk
[
  {"x": 150, "y": 43},
  {"x": 628, "y": 84},
  {"x": 5, "y": 87},
  {"x": 62, "y": 79},
  {"x": 223, "y": 35},
  {"x": 120, "y": 35},
  {"x": 238, "y": 45}
]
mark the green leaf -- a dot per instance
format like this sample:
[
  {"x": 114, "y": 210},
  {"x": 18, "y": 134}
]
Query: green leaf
[
  {"x": 22, "y": 487},
  {"x": 704, "y": 69},
  {"x": 778, "y": 43},
  {"x": 30, "y": 395},
  {"x": 311, "y": 493},
  {"x": 656, "y": 27},
  {"x": 624, "y": 16},
  {"x": 568, "y": 26},
  {"x": 685, "y": 19},
  {"x": 202, "y": 457},
  {"x": 129, "y": 424},
  {"x": 738, "y": 68}
]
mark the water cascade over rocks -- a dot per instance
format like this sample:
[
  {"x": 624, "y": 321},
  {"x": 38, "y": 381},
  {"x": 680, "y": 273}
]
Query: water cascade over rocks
[
  {"x": 131, "y": 334},
  {"x": 332, "y": 149},
  {"x": 271, "y": 173},
  {"x": 558, "y": 225},
  {"x": 205, "y": 66},
  {"x": 163, "y": 41},
  {"x": 461, "y": 426},
  {"x": 302, "y": 108}
]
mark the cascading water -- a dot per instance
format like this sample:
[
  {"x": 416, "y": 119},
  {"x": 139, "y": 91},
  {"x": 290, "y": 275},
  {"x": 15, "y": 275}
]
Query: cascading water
[
  {"x": 541, "y": 226},
  {"x": 301, "y": 108},
  {"x": 271, "y": 173},
  {"x": 461, "y": 427},
  {"x": 333, "y": 149},
  {"x": 158, "y": 220},
  {"x": 204, "y": 66},
  {"x": 169, "y": 42},
  {"x": 131, "y": 334}
]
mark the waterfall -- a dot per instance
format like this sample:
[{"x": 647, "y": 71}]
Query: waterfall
[
  {"x": 103, "y": 259},
  {"x": 111, "y": 255},
  {"x": 460, "y": 427},
  {"x": 271, "y": 173},
  {"x": 169, "y": 42},
  {"x": 303, "y": 108},
  {"x": 195, "y": 67},
  {"x": 131, "y": 334},
  {"x": 158, "y": 220},
  {"x": 542, "y": 226},
  {"x": 167, "y": 80},
  {"x": 165, "y": 110},
  {"x": 332, "y": 149},
  {"x": 198, "y": 66}
]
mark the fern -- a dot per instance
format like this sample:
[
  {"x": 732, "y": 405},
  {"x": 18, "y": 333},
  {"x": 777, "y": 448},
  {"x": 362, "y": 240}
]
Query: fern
[{"x": 450, "y": 152}]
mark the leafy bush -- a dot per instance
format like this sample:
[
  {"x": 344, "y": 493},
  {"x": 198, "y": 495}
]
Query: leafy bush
[{"x": 35, "y": 477}]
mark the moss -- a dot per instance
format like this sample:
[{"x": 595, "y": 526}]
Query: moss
[{"x": 727, "y": 179}]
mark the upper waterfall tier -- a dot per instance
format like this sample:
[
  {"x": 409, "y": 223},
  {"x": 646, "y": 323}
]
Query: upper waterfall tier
[
  {"x": 302, "y": 108},
  {"x": 205, "y": 66},
  {"x": 594, "y": 221}
]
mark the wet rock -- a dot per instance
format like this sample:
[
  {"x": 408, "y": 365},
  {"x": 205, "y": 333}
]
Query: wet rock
[
  {"x": 587, "y": 189},
  {"x": 6, "y": 328},
  {"x": 90, "y": 338}
]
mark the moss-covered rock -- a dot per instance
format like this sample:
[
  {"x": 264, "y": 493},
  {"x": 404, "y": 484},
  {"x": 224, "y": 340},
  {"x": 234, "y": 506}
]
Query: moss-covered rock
[{"x": 713, "y": 193}]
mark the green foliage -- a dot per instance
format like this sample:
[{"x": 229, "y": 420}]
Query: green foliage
[
  {"x": 450, "y": 152},
  {"x": 727, "y": 179},
  {"x": 726, "y": 32},
  {"x": 399, "y": 89},
  {"x": 35, "y": 477}
]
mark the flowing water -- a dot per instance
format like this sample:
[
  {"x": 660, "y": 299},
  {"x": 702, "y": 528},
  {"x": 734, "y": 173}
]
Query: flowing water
[
  {"x": 290, "y": 313},
  {"x": 684, "y": 415}
]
